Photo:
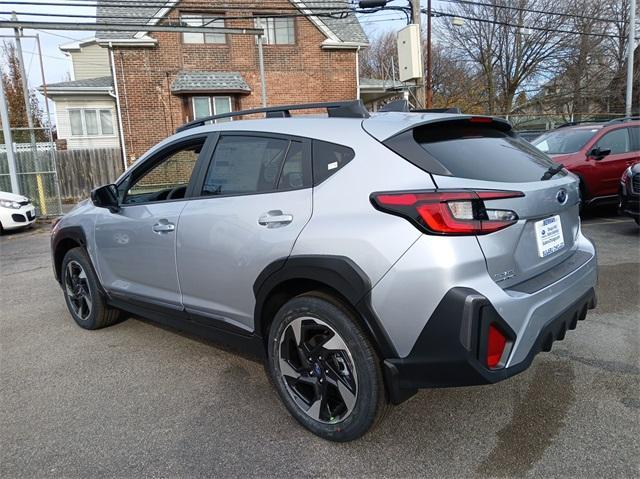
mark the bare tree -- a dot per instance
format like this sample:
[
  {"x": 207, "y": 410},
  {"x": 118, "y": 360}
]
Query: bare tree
[
  {"x": 511, "y": 42},
  {"x": 379, "y": 59}
]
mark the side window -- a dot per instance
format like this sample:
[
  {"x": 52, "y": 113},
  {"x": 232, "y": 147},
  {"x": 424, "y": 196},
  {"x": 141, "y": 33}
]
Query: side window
[
  {"x": 168, "y": 179},
  {"x": 328, "y": 158},
  {"x": 635, "y": 137},
  {"x": 296, "y": 172},
  {"x": 245, "y": 165},
  {"x": 617, "y": 141}
]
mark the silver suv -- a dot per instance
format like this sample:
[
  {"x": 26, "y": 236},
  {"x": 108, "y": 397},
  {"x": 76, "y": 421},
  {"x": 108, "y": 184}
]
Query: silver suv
[{"x": 362, "y": 257}]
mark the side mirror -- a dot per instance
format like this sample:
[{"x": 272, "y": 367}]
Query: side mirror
[
  {"x": 106, "y": 197},
  {"x": 598, "y": 153}
]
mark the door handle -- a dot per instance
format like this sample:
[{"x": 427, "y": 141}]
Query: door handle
[
  {"x": 274, "y": 219},
  {"x": 163, "y": 227}
]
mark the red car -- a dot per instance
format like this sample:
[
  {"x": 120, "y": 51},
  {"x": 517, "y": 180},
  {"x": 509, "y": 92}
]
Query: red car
[{"x": 597, "y": 152}]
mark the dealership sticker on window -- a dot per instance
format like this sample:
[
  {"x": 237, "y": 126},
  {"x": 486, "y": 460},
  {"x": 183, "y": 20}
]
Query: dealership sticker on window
[{"x": 549, "y": 236}]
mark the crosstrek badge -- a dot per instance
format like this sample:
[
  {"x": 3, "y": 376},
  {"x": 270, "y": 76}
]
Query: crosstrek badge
[{"x": 549, "y": 236}]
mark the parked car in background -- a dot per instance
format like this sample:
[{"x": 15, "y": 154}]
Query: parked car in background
[
  {"x": 530, "y": 135},
  {"x": 362, "y": 257},
  {"x": 597, "y": 152},
  {"x": 16, "y": 212},
  {"x": 630, "y": 192}
]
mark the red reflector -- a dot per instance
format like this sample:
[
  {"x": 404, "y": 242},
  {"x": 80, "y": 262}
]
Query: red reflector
[{"x": 495, "y": 346}]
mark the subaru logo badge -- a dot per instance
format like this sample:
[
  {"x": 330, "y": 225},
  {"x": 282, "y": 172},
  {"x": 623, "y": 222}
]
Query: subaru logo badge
[{"x": 561, "y": 196}]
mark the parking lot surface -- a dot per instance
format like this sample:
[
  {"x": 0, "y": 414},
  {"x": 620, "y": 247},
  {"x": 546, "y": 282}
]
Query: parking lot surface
[{"x": 138, "y": 400}]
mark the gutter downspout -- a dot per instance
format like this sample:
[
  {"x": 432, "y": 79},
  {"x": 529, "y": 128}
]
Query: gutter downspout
[
  {"x": 123, "y": 146},
  {"x": 358, "y": 73}
]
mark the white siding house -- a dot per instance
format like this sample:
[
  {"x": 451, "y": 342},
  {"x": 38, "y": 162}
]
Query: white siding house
[{"x": 85, "y": 107}]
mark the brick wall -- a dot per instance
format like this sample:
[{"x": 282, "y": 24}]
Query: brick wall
[{"x": 299, "y": 73}]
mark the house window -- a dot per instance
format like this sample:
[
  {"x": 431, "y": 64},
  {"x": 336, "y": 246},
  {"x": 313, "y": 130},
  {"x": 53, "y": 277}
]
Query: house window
[
  {"x": 203, "y": 21},
  {"x": 211, "y": 105},
  {"x": 91, "y": 122},
  {"x": 277, "y": 31}
]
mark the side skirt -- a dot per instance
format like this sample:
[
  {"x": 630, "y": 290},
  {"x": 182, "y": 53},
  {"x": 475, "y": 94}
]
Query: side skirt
[{"x": 210, "y": 329}]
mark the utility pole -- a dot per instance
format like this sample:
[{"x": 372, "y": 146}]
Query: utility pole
[
  {"x": 631, "y": 46},
  {"x": 8, "y": 142},
  {"x": 25, "y": 85},
  {"x": 27, "y": 104},
  {"x": 429, "y": 86},
  {"x": 416, "y": 17}
]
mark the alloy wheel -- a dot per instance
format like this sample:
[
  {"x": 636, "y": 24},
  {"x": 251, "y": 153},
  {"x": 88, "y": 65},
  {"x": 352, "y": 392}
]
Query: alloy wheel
[
  {"x": 77, "y": 289},
  {"x": 318, "y": 370}
]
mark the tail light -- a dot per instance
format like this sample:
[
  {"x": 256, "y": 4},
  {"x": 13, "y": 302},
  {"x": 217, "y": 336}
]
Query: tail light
[
  {"x": 496, "y": 343},
  {"x": 449, "y": 212}
]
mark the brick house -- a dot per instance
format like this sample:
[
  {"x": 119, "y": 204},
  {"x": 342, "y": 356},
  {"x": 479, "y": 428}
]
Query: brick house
[{"x": 162, "y": 79}]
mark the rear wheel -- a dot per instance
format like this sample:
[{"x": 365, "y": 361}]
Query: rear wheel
[
  {"x": 325, "y": 369},
  {"x": 86, "y": 303}
]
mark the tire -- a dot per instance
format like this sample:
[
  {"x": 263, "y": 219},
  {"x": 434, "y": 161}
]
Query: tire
[
  {"x": 82, "y": 293},
  {"x": 338, "y": 395}
]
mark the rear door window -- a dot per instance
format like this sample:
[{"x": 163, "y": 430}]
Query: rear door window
[
  {"x": 247, "y": 164},
  {"x": 617, "y": 141},
  {"x": 482, "y": 152}
]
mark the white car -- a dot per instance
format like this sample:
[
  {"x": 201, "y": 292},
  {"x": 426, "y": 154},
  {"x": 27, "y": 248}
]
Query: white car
[{"x": 16, "y": 211}]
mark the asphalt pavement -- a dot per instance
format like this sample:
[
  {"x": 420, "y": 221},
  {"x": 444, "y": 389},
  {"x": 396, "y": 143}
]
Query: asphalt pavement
[{"x": 138, "y": 400}]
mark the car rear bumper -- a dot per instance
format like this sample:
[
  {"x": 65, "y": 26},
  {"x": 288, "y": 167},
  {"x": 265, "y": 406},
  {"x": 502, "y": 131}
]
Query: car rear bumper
[{"x": 449, "y": 352}]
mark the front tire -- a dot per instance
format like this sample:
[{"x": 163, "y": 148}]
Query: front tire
[
  {"x": 85, "y": 301},
  {"x": 325, "y": 369}
]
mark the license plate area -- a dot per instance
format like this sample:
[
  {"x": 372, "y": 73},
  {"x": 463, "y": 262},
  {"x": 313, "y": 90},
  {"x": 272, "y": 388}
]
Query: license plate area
[{"x": 549, "y": 236}]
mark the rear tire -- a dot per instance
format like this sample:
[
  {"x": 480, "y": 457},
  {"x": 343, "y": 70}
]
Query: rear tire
[
  {"x": 85, "y": 301},
  {"x": 325, "y": 369}
]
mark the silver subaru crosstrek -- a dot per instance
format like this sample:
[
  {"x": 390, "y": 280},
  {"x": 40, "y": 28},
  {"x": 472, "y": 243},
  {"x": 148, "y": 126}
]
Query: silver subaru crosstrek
[{"x": 362, "y": 257}]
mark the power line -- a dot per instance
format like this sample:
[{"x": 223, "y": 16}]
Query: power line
[
  {"x": 530, "y": 10},
  {"x": 147, "y": 18},
  {"x": 322, "y": 6},
  {"x": 506, "y": 24}
]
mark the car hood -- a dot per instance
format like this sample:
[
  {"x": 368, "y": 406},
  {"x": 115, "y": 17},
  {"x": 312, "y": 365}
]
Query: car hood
[{"x": 5, "y": 195}]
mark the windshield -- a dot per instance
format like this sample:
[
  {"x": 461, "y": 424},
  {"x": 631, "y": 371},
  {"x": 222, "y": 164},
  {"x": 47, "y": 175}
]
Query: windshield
[{"x": 561, "y": 142}]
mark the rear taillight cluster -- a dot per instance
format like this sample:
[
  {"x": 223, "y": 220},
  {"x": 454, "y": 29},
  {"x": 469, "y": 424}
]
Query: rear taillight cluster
[{"x": 449, "y": 212}]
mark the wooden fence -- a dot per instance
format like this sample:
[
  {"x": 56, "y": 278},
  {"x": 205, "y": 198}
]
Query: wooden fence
[{"x": 80, "y": 171}]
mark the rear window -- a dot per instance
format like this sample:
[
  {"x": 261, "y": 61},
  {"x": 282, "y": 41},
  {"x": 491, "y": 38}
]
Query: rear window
[
  {"x": 563, "y": 142},
  {"x": 482, "y": 152}
]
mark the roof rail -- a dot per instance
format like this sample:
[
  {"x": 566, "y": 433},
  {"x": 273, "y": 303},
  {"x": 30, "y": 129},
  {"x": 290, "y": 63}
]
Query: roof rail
[
  {"x": 453, "y": 109},
  {"x": 337, "y": 109},
  {"x": 396, "y": 105},
  {"x": 574, "y": 123},
  {"x": 622, "y": 120}
]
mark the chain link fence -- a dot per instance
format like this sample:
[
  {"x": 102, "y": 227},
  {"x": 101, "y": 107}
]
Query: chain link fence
[{"x": 37, "y": 175}]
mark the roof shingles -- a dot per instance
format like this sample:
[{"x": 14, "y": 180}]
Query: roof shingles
[
  {"x": 188, "y": 81},
  {"x": 100, "y": 82},
  {"x": 347, "y": 29}
]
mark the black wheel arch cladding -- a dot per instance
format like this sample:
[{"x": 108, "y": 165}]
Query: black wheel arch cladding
[
  {"x": 62, "y": 241},
  {"x": 338, "y": 273}
]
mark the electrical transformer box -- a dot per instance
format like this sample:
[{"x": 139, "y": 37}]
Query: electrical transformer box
[{"x": 410, "y": 53}]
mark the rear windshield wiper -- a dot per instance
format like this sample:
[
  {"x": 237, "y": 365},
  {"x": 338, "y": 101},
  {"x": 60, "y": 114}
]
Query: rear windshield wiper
[{"x": 551, "y": 172}]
